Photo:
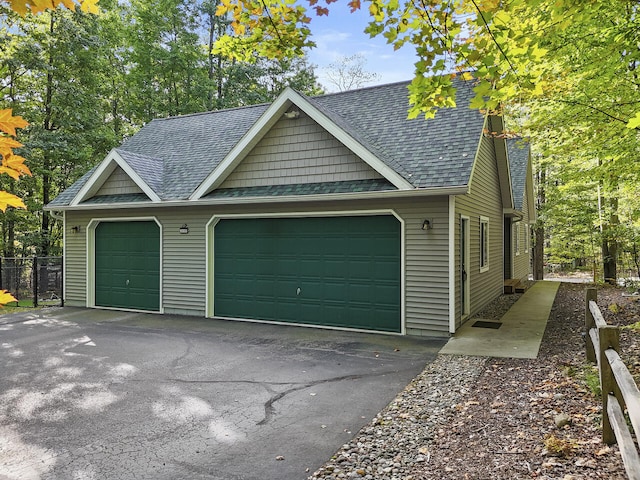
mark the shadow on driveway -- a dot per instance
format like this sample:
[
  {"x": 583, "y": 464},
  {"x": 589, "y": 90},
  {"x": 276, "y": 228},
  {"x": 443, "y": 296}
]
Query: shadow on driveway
[{"x": 91, "y": 394}]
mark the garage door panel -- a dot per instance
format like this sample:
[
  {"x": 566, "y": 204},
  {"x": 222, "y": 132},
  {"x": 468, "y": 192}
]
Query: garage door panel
[
  {"x": 336, "y": 262},
  {"x": 127, "y": 265}
]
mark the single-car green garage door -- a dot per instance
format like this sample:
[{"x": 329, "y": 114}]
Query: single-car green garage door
[
  {"x": 127, "y": 265},
  {"x": 330, "y": 271}
]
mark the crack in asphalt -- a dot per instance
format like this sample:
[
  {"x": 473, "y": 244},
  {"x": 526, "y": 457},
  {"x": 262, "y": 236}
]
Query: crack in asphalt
[
  {"x": 185, "y": 354},
  {"x": 269, "y": 409}
]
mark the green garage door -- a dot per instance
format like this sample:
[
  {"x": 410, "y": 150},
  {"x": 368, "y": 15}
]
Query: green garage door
[
  {"x": 127, "y": 265},
  {"x": 334, "y": 271}
]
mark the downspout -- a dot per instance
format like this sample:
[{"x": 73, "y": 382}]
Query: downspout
[{"x": 452, "y": 264}]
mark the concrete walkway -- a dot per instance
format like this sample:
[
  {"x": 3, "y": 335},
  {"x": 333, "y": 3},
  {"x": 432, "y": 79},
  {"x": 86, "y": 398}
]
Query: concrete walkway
[{"x": 520, "y": 329}]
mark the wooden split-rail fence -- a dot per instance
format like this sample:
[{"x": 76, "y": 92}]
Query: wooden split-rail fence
[{"x": 619, "y": 390}]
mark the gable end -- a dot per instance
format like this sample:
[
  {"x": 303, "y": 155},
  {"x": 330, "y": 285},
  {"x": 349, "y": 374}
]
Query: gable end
[{"x": 298, "y": 151}]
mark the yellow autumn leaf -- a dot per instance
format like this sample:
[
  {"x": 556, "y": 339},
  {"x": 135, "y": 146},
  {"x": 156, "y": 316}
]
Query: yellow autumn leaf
[
  {"x": 90, "y": 6},
  {"x": 19, "y": 6},
  {"x": 11, "y": 172},
  {"x": 9, "y": 200},
  {"x": 16, "y": 162},
  {"x": 37, "y": 6},
  {"x": 6, "y": 297},
  {"x": 9, "y": 122},
  {"x": 7, "y": 144}
]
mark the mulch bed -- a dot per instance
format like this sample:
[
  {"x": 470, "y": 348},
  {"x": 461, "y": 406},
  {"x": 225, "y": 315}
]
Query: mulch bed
[{"x": 539, "y": 418}]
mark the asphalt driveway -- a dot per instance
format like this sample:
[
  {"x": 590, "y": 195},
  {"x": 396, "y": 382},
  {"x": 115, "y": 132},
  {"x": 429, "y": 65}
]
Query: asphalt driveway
[{"x": 90, "y": 394}]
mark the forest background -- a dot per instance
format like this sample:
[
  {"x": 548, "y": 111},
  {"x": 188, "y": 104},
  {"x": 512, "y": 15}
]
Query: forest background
[{"x": 85, "y": 82}]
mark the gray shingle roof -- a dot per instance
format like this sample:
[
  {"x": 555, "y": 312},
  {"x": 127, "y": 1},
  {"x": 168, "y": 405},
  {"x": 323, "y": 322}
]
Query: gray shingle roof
[
  {"x": 374, "y": 185},
  {"x": 69, "y": 194},
  {"x": 518, "y": 151},
  {"x": 431, "y": 153},
  {"x": 118, "y": 198},
  {"x": 192, "y": 145},
  {"x": 150, "y": 169},
  {"x": 174, "y": 155}
]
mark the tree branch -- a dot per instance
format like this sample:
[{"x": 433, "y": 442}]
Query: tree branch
[
  {"x": 513, "y": 69},
  {"x": 273, "y": 24},
  {"x": 596, "y": 109}
]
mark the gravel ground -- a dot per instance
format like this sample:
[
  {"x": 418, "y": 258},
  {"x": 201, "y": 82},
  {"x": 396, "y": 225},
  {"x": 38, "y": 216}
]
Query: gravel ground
[{"x": 484, "y": 418}]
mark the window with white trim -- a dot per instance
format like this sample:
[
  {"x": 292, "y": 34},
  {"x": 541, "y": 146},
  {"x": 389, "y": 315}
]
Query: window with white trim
[
  {"x": 484, "y": 244},
  {"x": 517, "y": 227}
]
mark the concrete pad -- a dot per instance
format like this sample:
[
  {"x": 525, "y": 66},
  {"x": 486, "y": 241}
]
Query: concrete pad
[
  {"x": 521, "y": 331},
  {"x": 95, "y": 394}
]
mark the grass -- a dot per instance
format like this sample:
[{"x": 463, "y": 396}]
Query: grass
[{"x": 26, "y": 306}]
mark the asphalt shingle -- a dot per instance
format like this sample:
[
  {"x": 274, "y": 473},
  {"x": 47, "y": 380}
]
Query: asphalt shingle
[
  {"x": 518, "y": 151},
  {"x": 374, "y": 185},
  {"x": 174, "y": 155}
]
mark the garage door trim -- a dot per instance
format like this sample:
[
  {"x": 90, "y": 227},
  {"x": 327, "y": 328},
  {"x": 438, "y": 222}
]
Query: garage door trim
[
  {"x": 210, "y": 256},
  {"x": 91, "y": 252}
]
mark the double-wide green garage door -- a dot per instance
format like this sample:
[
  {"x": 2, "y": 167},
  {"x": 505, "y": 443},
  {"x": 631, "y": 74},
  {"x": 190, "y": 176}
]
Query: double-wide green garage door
[
  {"x": 127, "y": 265},
  {"x": 334, "y": 271}
]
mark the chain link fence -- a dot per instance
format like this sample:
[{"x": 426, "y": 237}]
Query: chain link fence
[{"x": 34, "y": 281}]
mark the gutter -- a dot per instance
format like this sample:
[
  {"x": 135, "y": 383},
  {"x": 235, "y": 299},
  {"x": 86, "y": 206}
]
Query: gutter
[{"x": 377, "y": 195}]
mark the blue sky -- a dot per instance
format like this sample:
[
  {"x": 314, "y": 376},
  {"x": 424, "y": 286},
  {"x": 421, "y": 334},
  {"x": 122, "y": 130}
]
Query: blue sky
[{"x": 342, "y": 34}]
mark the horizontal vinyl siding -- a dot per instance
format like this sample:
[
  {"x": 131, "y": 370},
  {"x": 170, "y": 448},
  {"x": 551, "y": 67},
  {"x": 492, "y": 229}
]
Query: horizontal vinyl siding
[
  {"x": 298, "y": 151},
  {"x": 184, "y": 256},
  {"x": 75, "y": 259},
  {"x": 483, "y": 200},
  {"x": 118, "y": 183},
  {"x": 522, "y": 263},
  {"x": 184, "y": 263},
  {"x": 427, "y": 266}
]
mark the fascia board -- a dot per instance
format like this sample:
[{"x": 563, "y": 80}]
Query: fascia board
[
  {"x": 528, "y": 191},
  {"x": 417, "y": 193},
  {"x": 502, "y": 158},
  {"x": 268, "y": 119},
  {"x": 144, "y": 186},
  {"x": 96, "y": 180},
  {"x": 102, "y": 173}
]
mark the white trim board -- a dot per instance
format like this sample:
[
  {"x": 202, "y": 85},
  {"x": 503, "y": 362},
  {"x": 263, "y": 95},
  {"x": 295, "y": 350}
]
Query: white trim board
[{"x": 104, "y": 171}]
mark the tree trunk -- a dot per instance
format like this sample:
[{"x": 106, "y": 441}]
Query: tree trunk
[
  {"x": 538, "y": 252},
  {"x": 609, "y": 265},
  {"x": 538, "y": 247}
]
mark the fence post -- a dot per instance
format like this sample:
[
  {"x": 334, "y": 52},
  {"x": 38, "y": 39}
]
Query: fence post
[
  {"x": 589, "y": 322},
  {"x": 609, "y": 336},
  {"x": 35, "y": 281}
]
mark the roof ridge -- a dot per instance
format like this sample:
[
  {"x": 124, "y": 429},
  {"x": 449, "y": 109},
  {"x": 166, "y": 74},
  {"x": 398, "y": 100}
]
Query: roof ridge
[
  {"x": 370, "y": 87},
  {"x": 209, "y": 112}
]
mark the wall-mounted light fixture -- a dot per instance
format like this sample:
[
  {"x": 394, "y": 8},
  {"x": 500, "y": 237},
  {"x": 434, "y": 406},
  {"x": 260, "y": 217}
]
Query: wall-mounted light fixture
[
  {"x": 184, "y": 229},
  {"x": 75, "y": 229},
  {"x": 427, "y": 224}
]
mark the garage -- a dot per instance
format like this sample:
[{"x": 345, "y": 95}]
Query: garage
[
  {"x": 328, "y": 271},
  {"x": 127, "y": 265}
]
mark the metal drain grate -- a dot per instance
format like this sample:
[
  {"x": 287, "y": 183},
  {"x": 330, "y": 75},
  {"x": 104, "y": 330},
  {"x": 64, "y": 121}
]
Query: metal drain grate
[{"x": 483, "y": 324}]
